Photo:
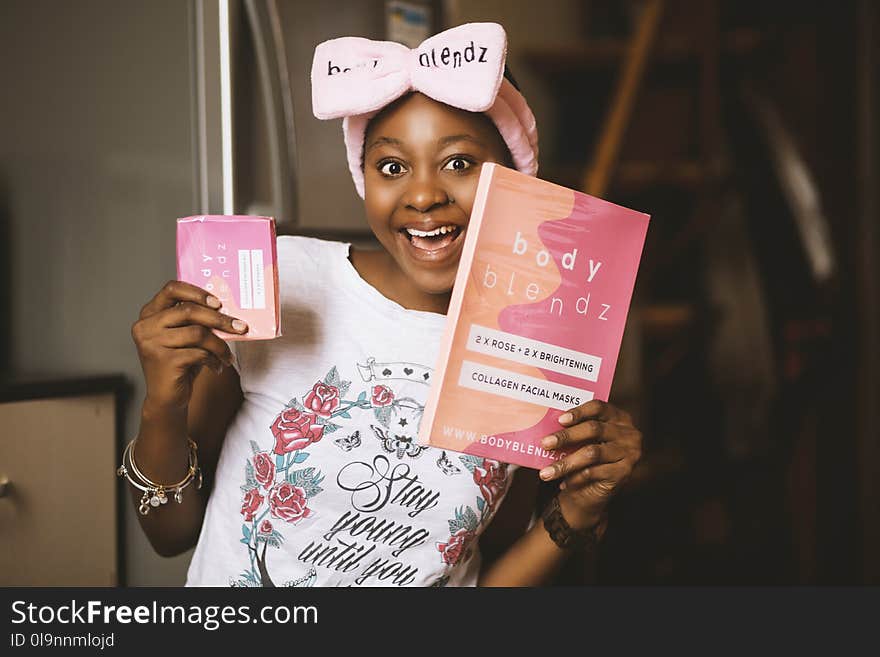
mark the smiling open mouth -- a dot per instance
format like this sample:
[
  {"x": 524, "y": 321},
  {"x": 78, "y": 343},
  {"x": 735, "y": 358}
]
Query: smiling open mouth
[{"x": 432, "y": 240}]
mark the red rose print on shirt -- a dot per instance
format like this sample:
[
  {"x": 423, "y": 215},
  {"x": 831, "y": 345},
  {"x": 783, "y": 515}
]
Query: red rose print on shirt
[
  {"x": 382, "y": 396},
  {"x": 264, "y": 469},
  {"x": 490, "y": 478},
  {"x": 265, "y": 527},
  {"x": 252, "y": 502},
  {"x": 295, "y": 430},
  {"x": 322, "y": 400},
  {"x": 288, "y": 502},
  {"x": 458, "y": 546}
]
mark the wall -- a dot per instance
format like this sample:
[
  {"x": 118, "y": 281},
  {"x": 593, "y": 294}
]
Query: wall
[
  {"x": 327, "y": 197},
  {"x": 95, "y": 165}
]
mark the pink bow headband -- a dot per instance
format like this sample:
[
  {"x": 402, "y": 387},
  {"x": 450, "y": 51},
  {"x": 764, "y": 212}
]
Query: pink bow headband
[{"x": 463, "y": 67}]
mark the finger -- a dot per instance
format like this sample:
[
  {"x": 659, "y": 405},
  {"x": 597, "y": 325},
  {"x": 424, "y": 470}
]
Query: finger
[
  {"x": 174, "y": 292},
  {"x": 631, "y": 438},
  {"x": 590, "y": 431},
  {"x": 612, "y": 474},
  {"x": 196, "y": 335},
  {"x": 582, "y": 458},
  {"x": 595, "y": 409},
  {"x": 577, "y": 434},
  {"x": 188, "y": 313}
]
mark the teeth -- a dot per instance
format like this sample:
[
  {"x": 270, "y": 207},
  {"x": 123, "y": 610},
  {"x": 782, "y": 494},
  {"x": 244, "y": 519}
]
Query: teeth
[{"x": 442, "y": 230}]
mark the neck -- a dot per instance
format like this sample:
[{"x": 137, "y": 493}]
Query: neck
[
  {"x": 380, "y": 270},
  {"x": 400, "y": 289},
  {"x": 432, "y": 303}
]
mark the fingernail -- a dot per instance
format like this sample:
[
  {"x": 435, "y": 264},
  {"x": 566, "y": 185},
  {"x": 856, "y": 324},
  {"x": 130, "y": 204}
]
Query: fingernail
[
  {"x": 562, "y": 486},
  {"x": 238, "y": 325},
  {"x": 214, "y": 302},
  {"x": 565, "y": 418},
  {"x": 546, "y": 473},
  {"x": 549, "y": 442}
]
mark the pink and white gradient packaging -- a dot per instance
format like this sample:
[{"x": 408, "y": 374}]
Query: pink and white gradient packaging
[
  {"x": 235, "y": 259},
  {"x": 536, "y": 316}
]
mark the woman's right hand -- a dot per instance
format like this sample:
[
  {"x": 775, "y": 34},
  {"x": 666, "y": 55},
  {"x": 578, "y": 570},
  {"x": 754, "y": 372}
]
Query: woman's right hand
[{"x": 174, "y": 341}]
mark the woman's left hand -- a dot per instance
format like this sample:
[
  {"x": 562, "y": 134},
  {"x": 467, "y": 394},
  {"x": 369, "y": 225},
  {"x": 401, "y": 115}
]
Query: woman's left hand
[{"x": 606, "y": 449}]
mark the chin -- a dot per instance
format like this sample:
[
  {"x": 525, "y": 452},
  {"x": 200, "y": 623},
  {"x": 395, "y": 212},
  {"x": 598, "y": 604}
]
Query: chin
[{"x": 434, "y": 285}]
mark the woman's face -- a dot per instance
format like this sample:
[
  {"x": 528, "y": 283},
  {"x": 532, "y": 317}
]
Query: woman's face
[{"x": 422, "y": 162}]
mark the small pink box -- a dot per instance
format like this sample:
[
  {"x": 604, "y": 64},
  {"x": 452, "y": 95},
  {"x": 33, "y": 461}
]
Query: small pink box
[{"x": 234, "y": 258}]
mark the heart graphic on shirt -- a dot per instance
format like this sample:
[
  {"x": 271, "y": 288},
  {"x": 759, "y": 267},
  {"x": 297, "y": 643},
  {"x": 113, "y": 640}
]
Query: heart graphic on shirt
[
  {"x": 407, "y": 370},
  {"x": 386, "y": 372}
]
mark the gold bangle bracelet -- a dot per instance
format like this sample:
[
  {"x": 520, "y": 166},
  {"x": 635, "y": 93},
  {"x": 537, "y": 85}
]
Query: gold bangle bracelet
[
  {"x": 193, "y": 466},
  {"x": 155, "y": 494}
]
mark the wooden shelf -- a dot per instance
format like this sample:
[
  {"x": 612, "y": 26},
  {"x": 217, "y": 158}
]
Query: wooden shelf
[
  {"x": 605, "y": 52},
  {"x": 658, "y": 320},
  {"x": 640, "y": 175}
]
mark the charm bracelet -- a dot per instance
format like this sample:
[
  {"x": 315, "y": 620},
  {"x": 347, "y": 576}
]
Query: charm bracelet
[{"x": 156, "y": 494}]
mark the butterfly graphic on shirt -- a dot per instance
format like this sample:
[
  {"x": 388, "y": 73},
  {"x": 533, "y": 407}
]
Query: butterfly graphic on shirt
[
  {"x": 397, "y": 444},
  {"x": 447, "y": 466},
  {"x": 350, "y": 442}
]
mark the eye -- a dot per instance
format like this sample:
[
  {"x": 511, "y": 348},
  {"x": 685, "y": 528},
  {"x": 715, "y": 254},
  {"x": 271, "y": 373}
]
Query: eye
[
  {"x": 391, "y": 168},
  {"x": 459, "y": 164}
]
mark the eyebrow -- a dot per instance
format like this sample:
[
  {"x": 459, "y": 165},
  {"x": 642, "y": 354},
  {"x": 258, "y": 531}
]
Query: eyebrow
[
  {"x": 391, "y": 141},
  {"x": 443, "y": 142}
]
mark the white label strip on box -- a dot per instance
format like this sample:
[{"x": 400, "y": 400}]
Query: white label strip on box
[
  {"x": 521, "y": 387},
  {"x": 533, "y": 352},
  {"x": 245, "y": 286},
  {"x": 259, "y": 285}
]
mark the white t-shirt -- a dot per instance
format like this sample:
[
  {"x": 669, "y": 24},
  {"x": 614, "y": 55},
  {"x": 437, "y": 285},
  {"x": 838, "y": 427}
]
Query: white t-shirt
[{"x": 321, "y": 480}]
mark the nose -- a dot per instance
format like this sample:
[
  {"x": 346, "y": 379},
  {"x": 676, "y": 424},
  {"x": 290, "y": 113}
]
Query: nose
[{"x": 424, "y": 193}]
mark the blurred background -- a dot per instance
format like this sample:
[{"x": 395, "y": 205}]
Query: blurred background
[{"x": 751, "y": 359}]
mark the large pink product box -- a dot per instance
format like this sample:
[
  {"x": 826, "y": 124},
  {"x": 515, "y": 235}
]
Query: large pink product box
[
  {"x": 234, "y": 258},
  {"x": 536, "y": 316}
]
